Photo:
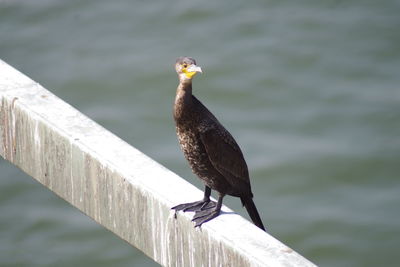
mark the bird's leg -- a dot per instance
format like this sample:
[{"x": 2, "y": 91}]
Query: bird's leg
[
  {"x": 203, "y": 204},
  {"x": 206, "y": 215}
]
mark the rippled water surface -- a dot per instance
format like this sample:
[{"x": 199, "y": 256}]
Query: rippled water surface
[{"x": 310, "y": 90}]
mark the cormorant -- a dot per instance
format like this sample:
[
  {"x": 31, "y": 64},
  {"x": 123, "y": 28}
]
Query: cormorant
[{"x": 211, "y": 151}]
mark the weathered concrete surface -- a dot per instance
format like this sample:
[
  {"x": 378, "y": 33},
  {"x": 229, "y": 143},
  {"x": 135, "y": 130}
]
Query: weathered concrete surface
[{"x": 120, "y": 187}]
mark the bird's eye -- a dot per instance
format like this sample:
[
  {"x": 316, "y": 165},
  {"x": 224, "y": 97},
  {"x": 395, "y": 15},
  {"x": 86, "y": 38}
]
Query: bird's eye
[{"x": 185, "y": 66}]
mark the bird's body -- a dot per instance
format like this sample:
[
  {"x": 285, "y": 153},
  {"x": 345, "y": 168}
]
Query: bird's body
[
  {"x": 212, "y": 152},
  {"x": 192, "y": 131}
]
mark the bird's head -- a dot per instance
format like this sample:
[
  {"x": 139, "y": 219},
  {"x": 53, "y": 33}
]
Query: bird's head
[{"x": 186, "y": 68}]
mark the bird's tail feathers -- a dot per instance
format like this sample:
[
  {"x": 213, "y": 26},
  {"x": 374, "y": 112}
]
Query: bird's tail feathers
[{"x": 252, "y": 210}]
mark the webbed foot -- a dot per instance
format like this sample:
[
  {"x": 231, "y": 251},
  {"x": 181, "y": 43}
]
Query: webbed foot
[
  {"x": 195, "y": 206},
  {"x": 203, "y": 216}
]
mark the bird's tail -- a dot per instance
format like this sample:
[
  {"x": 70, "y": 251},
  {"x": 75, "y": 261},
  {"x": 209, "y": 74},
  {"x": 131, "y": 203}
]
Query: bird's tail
[{"x": 252, "y": 210}]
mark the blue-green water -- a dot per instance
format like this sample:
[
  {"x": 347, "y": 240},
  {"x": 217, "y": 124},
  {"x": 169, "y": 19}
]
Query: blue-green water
[{"x": 310, "y": 90}]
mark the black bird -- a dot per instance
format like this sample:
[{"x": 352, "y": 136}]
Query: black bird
[{"x": 211, "y": 151}]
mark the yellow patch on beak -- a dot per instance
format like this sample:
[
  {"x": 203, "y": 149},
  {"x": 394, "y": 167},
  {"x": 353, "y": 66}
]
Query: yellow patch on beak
[{"x": 191, "y": 71}]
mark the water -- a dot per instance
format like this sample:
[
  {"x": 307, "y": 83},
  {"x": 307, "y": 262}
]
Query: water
[{"x": 310, "y": 90}]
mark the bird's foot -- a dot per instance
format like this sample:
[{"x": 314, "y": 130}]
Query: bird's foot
[
  {"x": 203, "y": 216},
  {"x": 195, "y": 206}
]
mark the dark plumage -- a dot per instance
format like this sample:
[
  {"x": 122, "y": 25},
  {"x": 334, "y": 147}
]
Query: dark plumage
[{"x": 211, "y": 151}]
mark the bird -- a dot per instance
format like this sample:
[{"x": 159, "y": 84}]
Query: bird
[{"x": 213, "y": 154}]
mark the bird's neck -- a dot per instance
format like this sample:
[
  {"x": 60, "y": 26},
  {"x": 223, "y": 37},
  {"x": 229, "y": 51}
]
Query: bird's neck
[
  {"x": 184, "y": 93},
  {"x": 183, "y": 99},
  {"x": 184, "y": 89}
]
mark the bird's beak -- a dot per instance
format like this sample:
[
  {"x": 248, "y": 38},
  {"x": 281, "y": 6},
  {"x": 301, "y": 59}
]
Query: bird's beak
[{"x": 192, "y": 70}]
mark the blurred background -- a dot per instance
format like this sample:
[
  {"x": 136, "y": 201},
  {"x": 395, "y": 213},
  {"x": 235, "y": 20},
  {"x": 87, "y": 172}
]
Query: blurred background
[{"x": 309, "y": 89}]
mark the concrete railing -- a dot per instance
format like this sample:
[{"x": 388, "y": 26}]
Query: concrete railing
[{"x": 120, "y": 187}]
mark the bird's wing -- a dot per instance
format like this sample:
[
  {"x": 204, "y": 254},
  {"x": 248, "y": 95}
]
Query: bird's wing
[{"x": 226, "y": 156}]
